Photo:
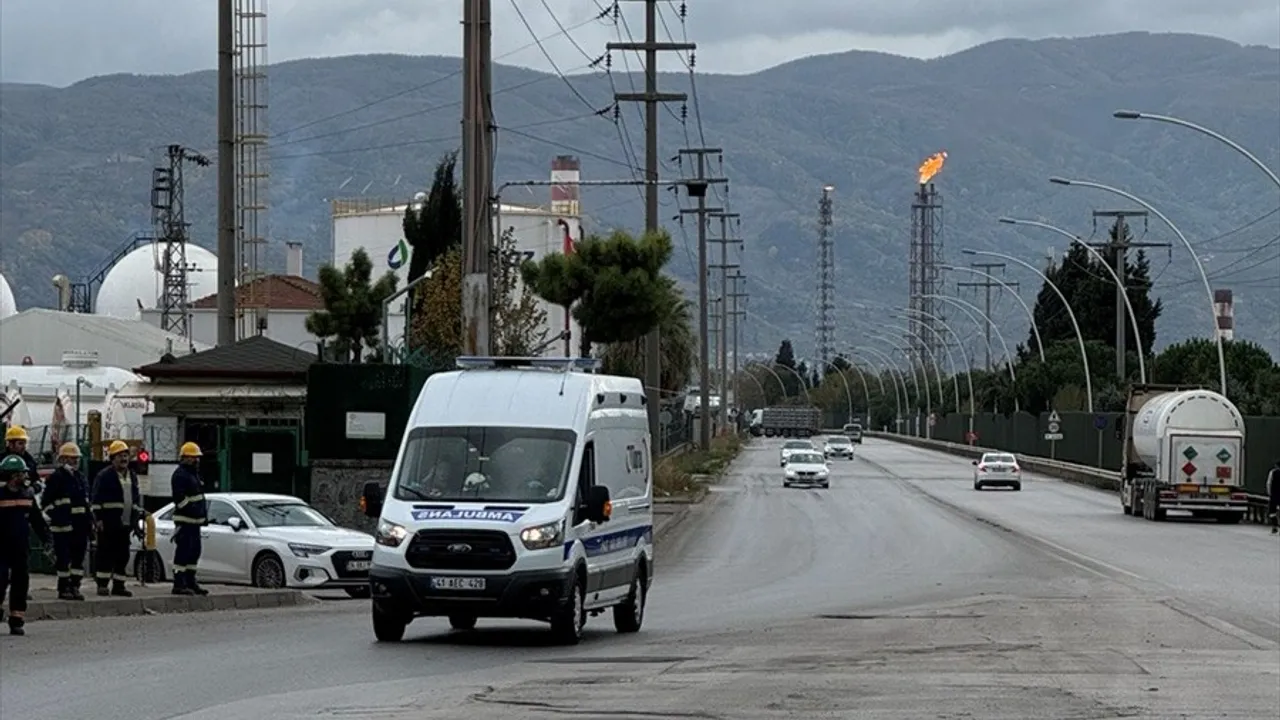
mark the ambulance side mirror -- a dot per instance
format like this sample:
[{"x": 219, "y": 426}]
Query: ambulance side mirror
[{"x": 371, "y": 500}]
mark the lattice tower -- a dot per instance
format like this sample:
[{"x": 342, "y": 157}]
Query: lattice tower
[
  {"x": 168, "y": 215},
  {"x": 825, "y": 330},
  {"x": 252, "y": 297},
  {"x": 925, "y": 274}
]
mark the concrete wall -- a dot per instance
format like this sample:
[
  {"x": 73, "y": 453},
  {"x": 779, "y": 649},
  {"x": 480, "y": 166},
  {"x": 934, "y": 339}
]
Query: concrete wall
[{"x": 336, "y": 487}]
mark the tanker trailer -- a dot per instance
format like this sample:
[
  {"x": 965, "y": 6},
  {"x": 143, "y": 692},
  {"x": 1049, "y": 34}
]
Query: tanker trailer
[{"x": 1183, "y": 450}]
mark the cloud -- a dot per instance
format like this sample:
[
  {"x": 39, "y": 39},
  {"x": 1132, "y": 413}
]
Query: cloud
[{"x": 61, "y": 41}]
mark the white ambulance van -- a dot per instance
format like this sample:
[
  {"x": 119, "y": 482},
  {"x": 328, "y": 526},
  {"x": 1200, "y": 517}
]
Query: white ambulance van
[{"x": 522, "y": 489}]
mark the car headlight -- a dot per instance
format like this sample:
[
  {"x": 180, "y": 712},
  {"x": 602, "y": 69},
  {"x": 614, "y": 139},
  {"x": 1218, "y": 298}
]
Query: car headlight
[
  {"x": 543, "y": 536},
  {"x": 303, "y": 550},
  {"x": 389, "y": 534},
  {"x": 822, "y": 472},
  {"x": 791, "y": 472}
]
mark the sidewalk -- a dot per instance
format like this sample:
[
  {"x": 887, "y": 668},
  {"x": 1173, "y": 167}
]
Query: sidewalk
[{"x": 150, "y": 600}]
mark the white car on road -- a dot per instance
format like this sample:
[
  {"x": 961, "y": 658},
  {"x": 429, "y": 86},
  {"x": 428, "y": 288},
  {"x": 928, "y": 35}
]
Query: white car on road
[
  {"x": 791, "y": 447},
  {"x": 807, "y": 468},
  {"x": 838, "y": 446},
  {"x": 997, "y": 470},
  {"x": 270, "y": 541}
]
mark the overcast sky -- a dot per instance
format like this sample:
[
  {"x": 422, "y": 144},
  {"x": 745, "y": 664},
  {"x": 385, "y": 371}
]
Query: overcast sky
[{"x": 61, "y": 41}]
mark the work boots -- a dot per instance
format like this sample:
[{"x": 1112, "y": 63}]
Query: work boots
[
  {"x": 64, "y": 589},
  {"x": 195, "y": 586},
  {"x": 103, "y": 587},
  {"x": 75, "y": 588},
  {"x": 15, "y": 626},
  {"x": 119, "y": 590},
  {"x": 180, "y": 585}
]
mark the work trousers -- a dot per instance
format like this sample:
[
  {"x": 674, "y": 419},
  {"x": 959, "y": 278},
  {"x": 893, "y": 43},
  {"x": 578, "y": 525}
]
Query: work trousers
[
  {"x": 1273, "y": 507},
  {"x": 113, "y": 554},
  {"x": 15, "y": 576},
  {"x": 69, "y": 547},
  {"x": 186, "y": 555}
]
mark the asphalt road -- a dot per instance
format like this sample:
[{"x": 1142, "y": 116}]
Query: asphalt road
[{"x": 868, "y": 600}]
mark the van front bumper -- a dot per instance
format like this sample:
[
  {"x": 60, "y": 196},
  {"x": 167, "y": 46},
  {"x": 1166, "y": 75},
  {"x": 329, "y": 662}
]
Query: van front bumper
[{"x": 530, "y": 594}]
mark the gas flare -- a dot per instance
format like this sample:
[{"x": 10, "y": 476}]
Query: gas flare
[{"x": 932, "y": 166}]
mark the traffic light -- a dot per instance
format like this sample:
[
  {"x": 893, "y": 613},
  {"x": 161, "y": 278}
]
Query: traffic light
[{"x": 142, "y": 462}]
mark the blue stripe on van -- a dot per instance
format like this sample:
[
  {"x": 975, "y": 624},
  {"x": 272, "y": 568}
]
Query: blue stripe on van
[{"x": 614, "y": 542}]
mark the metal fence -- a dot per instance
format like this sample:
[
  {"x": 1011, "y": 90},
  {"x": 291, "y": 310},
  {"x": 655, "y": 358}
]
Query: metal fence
[{"x": 1094, "y": 439}]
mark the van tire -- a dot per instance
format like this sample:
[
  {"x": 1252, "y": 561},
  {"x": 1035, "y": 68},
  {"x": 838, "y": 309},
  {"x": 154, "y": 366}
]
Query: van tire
[
  {"x": 387, "y": 625},
  {"x": 629, "y": 615},
  {"x": 568, "y": 621}
]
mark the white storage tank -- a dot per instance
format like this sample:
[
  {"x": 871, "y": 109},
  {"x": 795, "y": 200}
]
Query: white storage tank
[
  {"x": 8, "y": 305},
  {"x": 1214, "y": 430},
  {"x": 137, "y": 279}
]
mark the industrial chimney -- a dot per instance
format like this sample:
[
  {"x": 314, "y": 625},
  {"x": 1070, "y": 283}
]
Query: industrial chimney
[
  {"x": 1224, "y": 308},
  {"x": 63, "y": 284},
  {"x": 565, "y": 176},
  {"x": 293, "y": 259}
]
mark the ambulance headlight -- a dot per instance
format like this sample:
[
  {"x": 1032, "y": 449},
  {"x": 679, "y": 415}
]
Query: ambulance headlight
[
  {"x": 541, "y": 537},
  {"x": 389, "y": 534}
]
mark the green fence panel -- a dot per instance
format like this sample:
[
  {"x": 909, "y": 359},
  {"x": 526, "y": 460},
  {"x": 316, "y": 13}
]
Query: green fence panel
[{"x": 333, "y": 390}]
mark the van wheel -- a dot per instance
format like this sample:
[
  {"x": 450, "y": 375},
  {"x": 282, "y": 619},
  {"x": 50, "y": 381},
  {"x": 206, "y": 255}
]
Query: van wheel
[
  {"x": 388, "y": 626},
  {"x": 629, "y": 616},
  {"x": 462, "y": 622},
  {"x": 568, "y": 622}
]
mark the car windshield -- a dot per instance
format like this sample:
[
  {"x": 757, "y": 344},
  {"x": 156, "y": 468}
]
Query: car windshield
[
  {"x": 1000, "y": 459},
  {"x": 284, "y": 513},
  {"x": 807, "y": 458},
  {"x": 798, "y": 445},
  {"x": 485, "y": 464},
  {"x": 839, "y": 441}
]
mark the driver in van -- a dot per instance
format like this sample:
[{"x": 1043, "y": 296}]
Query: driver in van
[{"x": 435, "y": 483}]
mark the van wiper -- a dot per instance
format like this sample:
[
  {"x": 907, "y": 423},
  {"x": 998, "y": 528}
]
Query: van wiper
[{"x": 416, "y": 493}]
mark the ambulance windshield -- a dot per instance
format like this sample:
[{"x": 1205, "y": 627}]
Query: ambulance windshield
[{"x": 485, "y": 464}]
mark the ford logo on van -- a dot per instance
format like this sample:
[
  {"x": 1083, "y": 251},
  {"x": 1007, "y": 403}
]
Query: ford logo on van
[{"x": 459, "y": 548}]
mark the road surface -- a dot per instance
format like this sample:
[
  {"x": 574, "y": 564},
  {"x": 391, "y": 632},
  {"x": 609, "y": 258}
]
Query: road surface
[{"x": 868, "y": 600}]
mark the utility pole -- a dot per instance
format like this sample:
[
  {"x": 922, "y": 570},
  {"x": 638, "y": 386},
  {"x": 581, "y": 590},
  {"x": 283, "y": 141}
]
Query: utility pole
[
  {"x": 724, "y": 267},
  {"x": 987, "y": 284},
  {"x": 700, "y": 180},
  {"x": 226, "y": 173},
  {"x": 734, "y": 297},
  {"x": 651, "y": 98},
  {"x": 477, "y": 178},
  {"x": 1119, "y": 246}
]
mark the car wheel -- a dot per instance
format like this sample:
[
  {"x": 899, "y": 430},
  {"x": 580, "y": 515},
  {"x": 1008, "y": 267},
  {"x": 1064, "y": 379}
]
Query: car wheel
[
  {"x": 786, "y": 483},
  {"x": 977, "y": 485},
  {"x": 268, "y": 571},
  {"x": 462, "y": 622},
  {"x": 388, "y": 626},
  {"x": 569, "y": 620},
  {"x": 629, "y": 616},
  {"x": 360, "y": 593},
  {"x": 1017, "y": 486},
  {"x": 826, "y": 486}
]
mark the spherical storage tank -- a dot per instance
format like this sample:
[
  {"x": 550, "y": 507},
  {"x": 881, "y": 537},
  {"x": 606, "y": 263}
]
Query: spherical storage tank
[
  {"x": 137, "y": 278},
  {"x": 8, "y": 306}
]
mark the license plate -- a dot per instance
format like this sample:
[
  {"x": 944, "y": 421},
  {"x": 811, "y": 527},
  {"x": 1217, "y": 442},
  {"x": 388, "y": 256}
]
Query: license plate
[
  {"x": 359, "y": 565},
  {"x": 457, "y": 583},
  {"x": 997, "y": 469}
]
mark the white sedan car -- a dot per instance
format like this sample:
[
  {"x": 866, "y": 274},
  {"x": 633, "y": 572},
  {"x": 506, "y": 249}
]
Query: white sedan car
[
  {"x": 269, "y": 541},
  {"x": 807, "y": 468},
  {"x": 997, "y": 470},
  {"x": 838, "y": 446},
  {"x": 791, "y": 447}
]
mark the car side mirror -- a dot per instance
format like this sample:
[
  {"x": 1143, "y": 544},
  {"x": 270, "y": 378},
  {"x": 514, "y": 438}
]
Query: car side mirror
[
  {"x": 371, "y": 500},
  {"x": 598, "y": 505},
  {"x": 235, "y": 523}
]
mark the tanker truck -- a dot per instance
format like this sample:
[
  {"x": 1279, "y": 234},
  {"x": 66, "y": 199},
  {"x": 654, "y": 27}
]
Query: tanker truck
[{"x": 1183, "y": 450}]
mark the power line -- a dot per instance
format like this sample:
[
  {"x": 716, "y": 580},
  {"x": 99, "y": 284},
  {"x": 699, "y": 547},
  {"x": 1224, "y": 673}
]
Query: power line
[
  {"x": 542, "y": 48},
  {"x": 570, "y": 148}
]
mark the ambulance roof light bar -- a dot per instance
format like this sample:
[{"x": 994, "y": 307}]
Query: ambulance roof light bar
[{"x": 563, "y": 364}]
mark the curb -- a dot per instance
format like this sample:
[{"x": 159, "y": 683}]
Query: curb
[
  {"x": 162, "y": 604},
  {"x": 673, "y": 520}
]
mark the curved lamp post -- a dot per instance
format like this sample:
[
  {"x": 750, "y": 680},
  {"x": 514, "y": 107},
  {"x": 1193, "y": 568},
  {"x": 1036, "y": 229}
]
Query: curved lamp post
[
  {"x": 1135, "y": 115},
  {"x": 893, "y": 381},
  {"x": 918, "y": 373},
  {"x": 1128, "y": 306},
  {"x": 1204, "y": 277},
  {"x": 848, "y": 394},
  {"x": 804, "y": 384},
  {"x": 1030, "y": 315},
  {"x": 1084, "y": 356},
  {"x": 772, "y": 372},
  {"x": 895, "y": 373},
  {"x": 866, "y": 389},
  {"x": 968, "y": 374},
  {"x": 936, "y": 365},
  {"x": 924, "y": 370},
  {"x": 974, "y": 313}
]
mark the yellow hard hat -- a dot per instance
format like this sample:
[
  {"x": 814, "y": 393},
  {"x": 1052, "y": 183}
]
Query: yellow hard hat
[
  {"x": 69, "y": 450},
  {"x": 116, "y": 447},
  {"x": 17, "y": 432},
  {"x": 190, "y": 449}
]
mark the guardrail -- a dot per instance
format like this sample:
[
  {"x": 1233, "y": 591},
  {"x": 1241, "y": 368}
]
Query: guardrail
[{"x": 1070, "y": 472}]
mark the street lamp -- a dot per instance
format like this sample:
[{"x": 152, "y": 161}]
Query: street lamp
[
  {"x": 1128, "y": 306},
  {"x": 1204, "y": 277},
  {"x": 895, "y": 374},
  {"x": 968, "y": 362},
  {"x": 1084, "y": 356},
  {"x": 879, "y": 375},
  {"x": 974, "y": 313},
  {"x": 924, "y": 370},
  {"x": 916, "y": 367},
  {"x": 1030, "y": 315},
  {"x": 772, "y": 372},
  {"x": 936, "y": 364},
  {"x": 848, "y": 394},
  {"x": 1135, "y": 115}
]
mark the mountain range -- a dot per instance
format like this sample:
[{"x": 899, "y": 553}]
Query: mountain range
[{"x": 76, "y": 162}]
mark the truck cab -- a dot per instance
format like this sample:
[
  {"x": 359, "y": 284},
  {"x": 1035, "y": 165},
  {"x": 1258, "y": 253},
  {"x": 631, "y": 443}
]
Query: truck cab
[{"x": 522, "y": 489}]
